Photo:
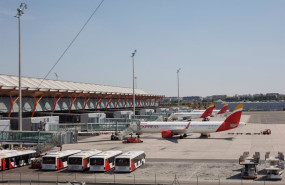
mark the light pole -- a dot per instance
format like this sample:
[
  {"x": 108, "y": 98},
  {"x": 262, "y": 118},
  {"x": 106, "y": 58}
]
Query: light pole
[
  {"x": 134, "y": 103},
  {"x": 178, "y": 84},
  {"x": 19, "y": 14},
  {"x": 56, "y": 76},
  {"x": 136, "y": 82}
]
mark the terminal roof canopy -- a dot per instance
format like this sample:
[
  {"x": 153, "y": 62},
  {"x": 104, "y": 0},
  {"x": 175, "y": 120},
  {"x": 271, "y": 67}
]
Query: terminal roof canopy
[{"x": 10, "y": 82}]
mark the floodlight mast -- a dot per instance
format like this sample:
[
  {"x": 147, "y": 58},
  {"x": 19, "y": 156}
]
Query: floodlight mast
[
  {"x": 20, "y": 12},
  {"x": 178, "y": 70},
  {"x": 134, "y": 103}
]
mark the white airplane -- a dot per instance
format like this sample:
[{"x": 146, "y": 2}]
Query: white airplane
[
  {"x": 169, "y": 129},
  {"x": 192, "y": 115},
  {"x": 223, "y": 110}
]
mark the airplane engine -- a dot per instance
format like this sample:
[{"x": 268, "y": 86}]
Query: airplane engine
[{"x": 166, "y": 134}]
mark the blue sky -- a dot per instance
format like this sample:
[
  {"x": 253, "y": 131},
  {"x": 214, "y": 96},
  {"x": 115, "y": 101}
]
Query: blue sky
[{"x": 222, "y": 47}]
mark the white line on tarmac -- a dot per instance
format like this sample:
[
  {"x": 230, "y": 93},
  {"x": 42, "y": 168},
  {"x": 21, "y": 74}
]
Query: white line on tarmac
[{"x": 196, "y": 171}]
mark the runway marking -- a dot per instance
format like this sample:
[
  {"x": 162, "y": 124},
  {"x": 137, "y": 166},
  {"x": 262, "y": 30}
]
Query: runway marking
[{"x": 196, "y": 171}]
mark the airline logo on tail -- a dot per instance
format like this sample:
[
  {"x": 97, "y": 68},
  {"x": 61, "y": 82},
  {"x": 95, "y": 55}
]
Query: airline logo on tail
[
  {"x": 232, "y": 120},
  {"x": 224, "y": 109},
  {"x": 208, "y": 111},
  {"x": 187, "y": 126}
]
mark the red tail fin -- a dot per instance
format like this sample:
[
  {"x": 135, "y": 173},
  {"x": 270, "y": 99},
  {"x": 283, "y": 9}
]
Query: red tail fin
[
  {"x": 224, "y": 109},
  {"x": 232, "y": 121},
  {"x": 208, "y": 111}
]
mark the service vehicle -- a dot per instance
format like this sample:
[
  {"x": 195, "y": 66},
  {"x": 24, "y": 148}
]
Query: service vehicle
[
  {"x": 104, "y": 161},
  {"x": 57, "y": 160},
  {"x": 16, "y": 158},
  {"x": 129, "y": 161},
  {"x": 80, "y": 161},
  {"x": 37, "y": 163},
  {"x": 169, "y": 129}
]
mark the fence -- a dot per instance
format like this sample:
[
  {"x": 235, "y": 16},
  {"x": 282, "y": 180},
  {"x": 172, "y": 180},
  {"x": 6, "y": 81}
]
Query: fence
[{"x": 42, "y": 177}]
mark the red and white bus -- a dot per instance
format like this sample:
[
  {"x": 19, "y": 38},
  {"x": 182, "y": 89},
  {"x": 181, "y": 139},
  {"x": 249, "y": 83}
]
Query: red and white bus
[
  {"x": 57, "y": 160},
  {"x": 80, "y": 161},
  {"x": 16, "y": 158},
  {"x": 129, "y": 161},
  {"x": 104, "y": 161}
]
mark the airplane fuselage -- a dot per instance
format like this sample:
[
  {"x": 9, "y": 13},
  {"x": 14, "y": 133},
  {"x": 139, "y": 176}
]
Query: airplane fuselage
[{"x": 194, "y": 127}]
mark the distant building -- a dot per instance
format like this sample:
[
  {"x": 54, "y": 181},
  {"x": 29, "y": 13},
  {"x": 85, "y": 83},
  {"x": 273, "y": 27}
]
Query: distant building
[
  {"x": 256, "y": 106},
  {"x": 216, "y": 97},
  {"x": 273, "y": 94},
  {"x": 192, "y": 98},
  {"x": 170, "y": 99}
]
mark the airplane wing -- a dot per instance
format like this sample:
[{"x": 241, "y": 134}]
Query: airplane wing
[{"x": 180, "y": 131}]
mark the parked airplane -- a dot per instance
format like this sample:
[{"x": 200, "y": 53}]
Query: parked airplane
[
  {"x": 223, "y": 110},
  {"x": 169, "y": 129},
  {"x": 192, "y": 115}
]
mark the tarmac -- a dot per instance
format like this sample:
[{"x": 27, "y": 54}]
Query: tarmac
[{"x": 212, "y": 161}]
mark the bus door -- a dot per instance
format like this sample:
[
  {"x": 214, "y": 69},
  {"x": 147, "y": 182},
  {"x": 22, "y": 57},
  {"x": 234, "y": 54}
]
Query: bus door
[
  {"x": 21, "y": 160},
  {"x": 7, "y": 163},
  {"x": 26, "y": 159},
  {"x": 3, "y": 164}
]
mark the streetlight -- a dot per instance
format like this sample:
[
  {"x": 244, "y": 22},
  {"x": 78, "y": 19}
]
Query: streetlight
[
  {"x": 19, "y": 14},
  {"x": 133, "y": 59},
  {"x": 178, "y": 84},
  {"x": 136, "y": 82}
]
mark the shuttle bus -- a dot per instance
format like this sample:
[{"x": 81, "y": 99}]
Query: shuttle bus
[
  {"x": 57, "y": 160},
  {"x": 104, "y": 161},
  {"x": 16, "y": 158},
  {"x": 129, "y": 161},
  {"x": 80, "y": 161}
]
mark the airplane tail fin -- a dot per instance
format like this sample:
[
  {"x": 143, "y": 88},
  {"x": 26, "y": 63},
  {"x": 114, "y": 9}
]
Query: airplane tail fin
[
  {"x": 233, "y": 120},
  {"x": 223, "y": 109},
  {"x": 208, "y": 111}
]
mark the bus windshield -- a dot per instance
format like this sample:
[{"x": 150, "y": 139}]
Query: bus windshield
[
  {"x": 48, "y": 160},
  {"x": 74, "y": 160},
  {"x": 96, "y": 161},
  {"x": 122, "y": 162}
]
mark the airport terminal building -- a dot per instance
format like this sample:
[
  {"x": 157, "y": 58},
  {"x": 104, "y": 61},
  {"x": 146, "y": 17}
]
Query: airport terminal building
[{"x": 40, "y": 95}]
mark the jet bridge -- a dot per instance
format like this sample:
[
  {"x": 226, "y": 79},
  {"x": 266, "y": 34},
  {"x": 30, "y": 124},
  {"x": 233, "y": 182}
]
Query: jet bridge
[{"x": 134, "y": 128}]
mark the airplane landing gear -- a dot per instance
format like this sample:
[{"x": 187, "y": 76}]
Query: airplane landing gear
[
  {"x": 184, "y": 135},
  {"x": 206, "y": 119},
  {"x": 204, "y": 135}
]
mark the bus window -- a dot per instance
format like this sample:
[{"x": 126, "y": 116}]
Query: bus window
[
  {"x": 64, "y": 158},
  {"x": 96, "y": 161},
  {"x": 111, "y": 160},
  {"x": 48, "y": 160},
  {"x": 75, "y": 160},
  {"x": 122, "y": 162}
]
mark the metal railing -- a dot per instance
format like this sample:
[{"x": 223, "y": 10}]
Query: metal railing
[{"x": 42, "y": 177}]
